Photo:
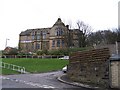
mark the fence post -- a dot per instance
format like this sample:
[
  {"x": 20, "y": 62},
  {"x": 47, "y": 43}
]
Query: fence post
[
  {"x": 8, "y": 66},
  {"x": 23, "y": 69},
  {"x": 13, "y": 67}
]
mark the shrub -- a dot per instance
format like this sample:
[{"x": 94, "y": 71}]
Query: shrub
[
  {"x": 66, "y": 52},
  {"x": 42, "y": 52}
]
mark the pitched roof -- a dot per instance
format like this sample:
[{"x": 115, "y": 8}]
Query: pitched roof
[
  {"x": 59, "y": 22},
  {"x": 28, "y": 31}
]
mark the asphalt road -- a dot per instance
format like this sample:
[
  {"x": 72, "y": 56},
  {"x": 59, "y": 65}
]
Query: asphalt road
[{"x": 42, "y": 80}]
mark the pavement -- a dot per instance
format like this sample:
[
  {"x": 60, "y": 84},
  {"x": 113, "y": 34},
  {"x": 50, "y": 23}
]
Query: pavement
[{"x": 67, "y": 80}]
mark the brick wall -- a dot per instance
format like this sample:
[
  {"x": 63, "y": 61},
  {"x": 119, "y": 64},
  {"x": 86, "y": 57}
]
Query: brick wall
[{"x": 89, "y": 66}]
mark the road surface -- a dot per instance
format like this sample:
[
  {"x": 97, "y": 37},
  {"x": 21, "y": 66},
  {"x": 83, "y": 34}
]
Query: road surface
[{"x": 42, "y": 80}]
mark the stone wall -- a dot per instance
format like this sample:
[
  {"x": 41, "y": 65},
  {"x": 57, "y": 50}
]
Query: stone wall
[
  {"x": 90, "y": 66},
  {"x": 115, "y": 76}
]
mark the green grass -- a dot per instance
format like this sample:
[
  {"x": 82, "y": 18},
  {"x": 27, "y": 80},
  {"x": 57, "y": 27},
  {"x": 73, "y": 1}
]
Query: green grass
[
  {"x": 7, "y": 72},
  {"x": 36, "y": 65}
]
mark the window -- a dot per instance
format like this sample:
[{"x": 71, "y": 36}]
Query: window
[
  {"x": 59, "y": 32},
  {"x": 44, "y": 35},
  {"x": 37, "y": 46},
  {"x": 44, "y": 45},
  {"x": 53, "y": 43},
  {"x": 38, "y": 37},
  {"x": 33, "y": 37},
  {"x": 58, "y": 43}
]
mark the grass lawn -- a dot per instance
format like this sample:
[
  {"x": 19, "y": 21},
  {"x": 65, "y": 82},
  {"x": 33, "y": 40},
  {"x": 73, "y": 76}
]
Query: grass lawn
[{"x": 35, "y": 65}]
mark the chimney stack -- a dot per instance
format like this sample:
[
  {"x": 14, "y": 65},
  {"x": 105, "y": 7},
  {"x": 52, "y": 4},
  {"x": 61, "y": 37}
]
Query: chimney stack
[{"x": 67, "y": 26}]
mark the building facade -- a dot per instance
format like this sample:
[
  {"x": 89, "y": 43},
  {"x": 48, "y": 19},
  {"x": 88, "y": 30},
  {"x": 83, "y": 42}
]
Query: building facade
[{"x": 58, "y": 36}]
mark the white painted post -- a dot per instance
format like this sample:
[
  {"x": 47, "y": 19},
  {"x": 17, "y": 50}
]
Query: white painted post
[
  {"x": 19, "y": 68},
  {"x": 23, "y": 69},
  {"x": 13, "y": 68},
  {"x": 8, "y": 66}
]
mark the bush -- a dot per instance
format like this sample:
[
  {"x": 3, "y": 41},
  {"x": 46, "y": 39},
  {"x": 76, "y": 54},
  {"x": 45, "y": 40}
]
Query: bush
[
  {"x": 42, "y": 52},
  {"x": 39, "y": 52},
  {"x": 22, "y": 53},
  {"x": 59, "y": 52},
  {"x": 66, "y": 52}
]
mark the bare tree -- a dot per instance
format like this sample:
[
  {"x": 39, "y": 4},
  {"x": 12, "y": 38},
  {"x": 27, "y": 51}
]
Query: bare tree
[
  {"x": 86, "y": 30},
  {"x": 104, "y": 37}
]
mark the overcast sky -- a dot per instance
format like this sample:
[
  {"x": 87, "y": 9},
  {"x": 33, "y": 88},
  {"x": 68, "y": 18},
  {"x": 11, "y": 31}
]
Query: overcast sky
[{"x": 19, "y": 15}]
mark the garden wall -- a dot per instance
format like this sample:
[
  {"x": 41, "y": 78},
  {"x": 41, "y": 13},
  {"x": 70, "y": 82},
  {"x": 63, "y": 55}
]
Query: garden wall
[{"x": 90, "y": 66}]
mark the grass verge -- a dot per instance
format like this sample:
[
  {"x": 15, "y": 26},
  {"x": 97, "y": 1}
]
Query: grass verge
[{"x": 35, "y": 65}]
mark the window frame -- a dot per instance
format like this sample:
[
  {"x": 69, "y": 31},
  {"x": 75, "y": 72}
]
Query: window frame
[
  {"x": 53, "y": 43},
  {"x": 58, "y": 43}
]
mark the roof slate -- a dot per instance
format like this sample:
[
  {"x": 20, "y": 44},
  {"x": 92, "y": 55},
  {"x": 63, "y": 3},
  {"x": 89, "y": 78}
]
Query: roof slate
[{"x": 28, "y": 31}]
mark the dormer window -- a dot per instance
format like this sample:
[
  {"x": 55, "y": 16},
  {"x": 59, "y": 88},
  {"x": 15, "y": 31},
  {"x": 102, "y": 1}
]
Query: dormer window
[{"x": 59, "y": 31}]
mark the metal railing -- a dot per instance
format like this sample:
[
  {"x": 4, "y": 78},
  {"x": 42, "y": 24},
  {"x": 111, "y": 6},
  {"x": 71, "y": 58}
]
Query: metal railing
[{"x": 12, "y": 67}]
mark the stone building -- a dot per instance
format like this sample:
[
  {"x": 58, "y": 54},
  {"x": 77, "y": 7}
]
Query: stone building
[
  {"x": 58, "y": 36},
  {"x": 115, "y": 71}
]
